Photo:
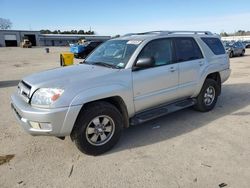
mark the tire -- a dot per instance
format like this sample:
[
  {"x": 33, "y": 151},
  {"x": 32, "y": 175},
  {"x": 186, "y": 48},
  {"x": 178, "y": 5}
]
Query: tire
[
  {"x": 231, "y": 54},
  {"x": 208, "y": 96},
  {"x": 62, "y": 61},
  {"x": 243, "y": 53},
  {"x": 89, "y": 135}
]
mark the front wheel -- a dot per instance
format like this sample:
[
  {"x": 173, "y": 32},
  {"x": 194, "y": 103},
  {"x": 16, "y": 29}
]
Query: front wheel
[
  {"x": 208, "y": 95},
  {"x": 97, "y": 128}
]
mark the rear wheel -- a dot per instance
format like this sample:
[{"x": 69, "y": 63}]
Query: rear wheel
[
  {"x": 208, "y": 95},
  {"x": 243, "y": 53},
  {"x": 231, "y": 54},
  {"x": 98, "y": 128}
]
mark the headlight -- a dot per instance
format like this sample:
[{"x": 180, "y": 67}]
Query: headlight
[{"x": 44, "y": 97}]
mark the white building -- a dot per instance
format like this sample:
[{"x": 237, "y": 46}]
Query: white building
[{"x": 236, "y": 38}]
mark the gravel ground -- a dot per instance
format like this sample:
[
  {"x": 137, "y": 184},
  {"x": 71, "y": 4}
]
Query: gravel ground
[{"x": 183, "y": 149}]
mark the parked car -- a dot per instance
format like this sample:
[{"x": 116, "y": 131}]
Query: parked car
[
  {"x": 82, "y": 50},
  {"x": 235, "y": 49},
  {"x": 246, "y": 43},
  {"x": 125, "y": 81}
]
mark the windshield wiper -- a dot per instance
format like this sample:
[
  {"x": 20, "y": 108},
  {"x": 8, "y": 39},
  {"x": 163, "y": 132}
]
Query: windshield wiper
[{"x": 104, "y": 64}]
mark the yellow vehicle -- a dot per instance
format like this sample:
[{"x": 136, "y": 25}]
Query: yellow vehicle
[
  {"x": 26, "y": 43},
  {"x": 66, "y": 59}
]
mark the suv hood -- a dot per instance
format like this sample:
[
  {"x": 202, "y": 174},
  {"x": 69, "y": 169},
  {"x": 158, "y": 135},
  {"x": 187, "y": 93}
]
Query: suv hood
[{"x": 65, "y": 77}]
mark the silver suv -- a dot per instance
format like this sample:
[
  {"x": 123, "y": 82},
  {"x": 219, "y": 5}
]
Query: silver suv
[{"x": 125, "y": 81}]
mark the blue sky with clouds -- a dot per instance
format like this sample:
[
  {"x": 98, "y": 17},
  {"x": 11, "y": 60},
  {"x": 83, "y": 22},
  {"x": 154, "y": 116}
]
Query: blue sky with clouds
[{"x": 124, "y": 16}]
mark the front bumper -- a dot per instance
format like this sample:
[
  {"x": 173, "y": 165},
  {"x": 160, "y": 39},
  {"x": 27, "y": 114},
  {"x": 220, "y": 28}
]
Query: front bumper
[{"x": 61, "y": 119}]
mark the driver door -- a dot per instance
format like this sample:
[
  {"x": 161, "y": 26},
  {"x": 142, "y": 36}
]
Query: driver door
[{"x": 157, "y": 84}]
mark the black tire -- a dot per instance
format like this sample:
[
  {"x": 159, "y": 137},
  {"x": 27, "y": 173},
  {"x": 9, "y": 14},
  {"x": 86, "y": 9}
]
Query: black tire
[
  {"x": 86, "y": 119},
  {"x": 243, "y": 53},
  {"x": 62, "y": 61},
  {"x": 201, "y": 104},
  {"x": 231, "y": 54}
]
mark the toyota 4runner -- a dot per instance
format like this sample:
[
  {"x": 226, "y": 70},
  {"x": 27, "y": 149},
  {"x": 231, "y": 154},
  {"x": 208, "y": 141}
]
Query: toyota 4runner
[{"x": 125, "y": 81}]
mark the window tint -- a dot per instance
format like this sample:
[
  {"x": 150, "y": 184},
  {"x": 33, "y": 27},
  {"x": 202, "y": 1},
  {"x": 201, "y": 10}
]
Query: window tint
[
  {"x": 93, "y": 44},
  {"x": 160, "y": 50},
  {"x": 187, "y": 49},
  {"x": 240, "y": 45},
  {"x": 215, "y": 45}
]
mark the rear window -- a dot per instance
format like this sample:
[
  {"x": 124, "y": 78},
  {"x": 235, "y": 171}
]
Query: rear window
[
  {"x": 215, "y": 45},
  {"x": 187, "y": 49}
]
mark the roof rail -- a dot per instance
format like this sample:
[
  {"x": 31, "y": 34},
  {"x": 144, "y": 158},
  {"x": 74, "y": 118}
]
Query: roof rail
[
  {"x": 170, "y": 32},
  {"x": 191, "y": 32},
  {"x": 143, "y": 33}
]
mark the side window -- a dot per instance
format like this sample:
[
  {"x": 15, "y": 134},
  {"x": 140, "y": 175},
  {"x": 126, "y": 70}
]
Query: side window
[
  {"x": 160, "y": 50},
  {"x": 215, "y": 45},
  {"x": 187, "y": 49},
  {"x": 92, "y": 45}
]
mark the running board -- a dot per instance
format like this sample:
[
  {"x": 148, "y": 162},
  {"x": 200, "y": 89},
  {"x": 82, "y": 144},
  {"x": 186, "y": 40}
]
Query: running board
[{"x": 161, "y": 111}]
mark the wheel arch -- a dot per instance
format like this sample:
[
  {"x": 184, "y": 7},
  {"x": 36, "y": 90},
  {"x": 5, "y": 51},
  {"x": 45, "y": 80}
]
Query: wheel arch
[
  {"x": 117, "y": 101},
  {"x": 213, "y": 75}
]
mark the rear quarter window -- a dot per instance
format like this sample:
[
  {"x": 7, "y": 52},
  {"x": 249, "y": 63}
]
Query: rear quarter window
[
  {"x": 215, "y": 45},
  {"x": 187, "y": 49}
]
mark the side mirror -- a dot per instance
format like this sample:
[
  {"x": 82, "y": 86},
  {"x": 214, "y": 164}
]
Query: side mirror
[{"x": 142, "y": 63}]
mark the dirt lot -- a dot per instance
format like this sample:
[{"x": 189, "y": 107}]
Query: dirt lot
[{"x": 183, "y": 149}]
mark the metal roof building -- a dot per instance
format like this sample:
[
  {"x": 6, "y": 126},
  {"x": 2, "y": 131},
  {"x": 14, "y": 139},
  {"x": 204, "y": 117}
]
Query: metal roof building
[
  {"x": 15, "y": 37},
  {"x": 66, "y": 39}
]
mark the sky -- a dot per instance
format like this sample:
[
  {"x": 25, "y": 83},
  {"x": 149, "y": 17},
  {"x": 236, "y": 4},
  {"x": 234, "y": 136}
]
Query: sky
[{"x": 111, "y": 17}]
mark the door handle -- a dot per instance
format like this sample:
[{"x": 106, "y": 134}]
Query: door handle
[{"x": 172, "y": 69}]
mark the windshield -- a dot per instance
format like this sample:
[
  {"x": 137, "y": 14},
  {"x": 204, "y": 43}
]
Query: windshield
[
  {"x": 227, "y": 44},
  {"x": 114, "y": 53}
]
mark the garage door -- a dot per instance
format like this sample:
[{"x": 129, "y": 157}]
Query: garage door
[
  {"x": 9, "y": 37},
  {"x": 10, "y": 40}
]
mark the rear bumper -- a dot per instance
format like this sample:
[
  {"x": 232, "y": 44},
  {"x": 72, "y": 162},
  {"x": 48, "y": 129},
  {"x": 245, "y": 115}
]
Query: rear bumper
[
  {"x": 224, "y": 75},
  {"x": 61, "y": 120}
]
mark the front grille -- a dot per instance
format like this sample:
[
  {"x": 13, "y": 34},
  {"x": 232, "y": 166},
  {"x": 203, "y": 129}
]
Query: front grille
[{"x": 24, "y": 90}]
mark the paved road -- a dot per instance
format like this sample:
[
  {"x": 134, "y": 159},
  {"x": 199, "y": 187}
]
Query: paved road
[{"x": 183, "y": 149}]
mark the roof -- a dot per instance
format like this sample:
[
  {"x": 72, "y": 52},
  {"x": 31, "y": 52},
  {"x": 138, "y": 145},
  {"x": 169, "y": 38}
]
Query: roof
[
  {"x": 9, "y": 30},
  {"x": 153, "y": 34}
]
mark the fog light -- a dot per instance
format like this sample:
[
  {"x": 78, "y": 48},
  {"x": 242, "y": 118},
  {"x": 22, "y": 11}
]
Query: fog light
[
  {"x": 45, "y": 126},
  {"x": 34, "y": 125}
]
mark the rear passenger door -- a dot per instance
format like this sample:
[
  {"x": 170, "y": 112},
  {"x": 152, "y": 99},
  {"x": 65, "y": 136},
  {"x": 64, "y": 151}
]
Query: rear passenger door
[{"x": 191, "y": 61}]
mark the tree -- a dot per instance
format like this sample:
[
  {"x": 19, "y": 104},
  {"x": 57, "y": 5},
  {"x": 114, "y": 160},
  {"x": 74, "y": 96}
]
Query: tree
[
  {"x": 5, "y": 23},
  {"x": 224, "y": 34},
  {"x": 47, "y": 31},
  {"x": 55, "y": 32},
  {"x": 81, "y": 32},
  {"x": 90, "y": 32}
]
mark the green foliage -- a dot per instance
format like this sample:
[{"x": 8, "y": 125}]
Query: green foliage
[
  {"x": 82, "y": 32},
  {"x": 5, "y": 23}
]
